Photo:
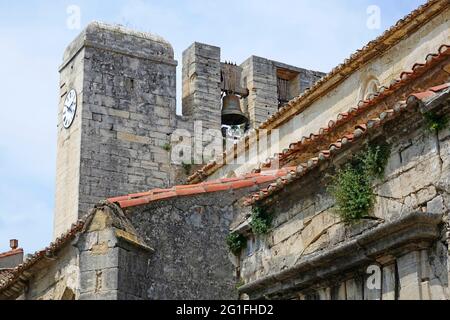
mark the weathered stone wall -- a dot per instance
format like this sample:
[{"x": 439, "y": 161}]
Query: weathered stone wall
[
  {"x": 120, "y": 140},
  {"x": 126, "y": 91},
  {"x": 68, "y": 147},
  {"x": 201, "y": 85},
  {"x": 347, "y": 94},
  {"x": 416, "y": 179},
  {"x": 417, "y": 275},
  {"x": 111, "y": 251},
  {"x": 129, "y": 112},
  {"x": 95, "y": 264},
  {"x": 260, "y": 77},
  {"x": 11, "y": 260},
  {"x": 99, "y": 259},
  {"x": 191, "y": 258}
]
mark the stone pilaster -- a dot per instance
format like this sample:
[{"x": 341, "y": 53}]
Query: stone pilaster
[{"x": 201, "y": 85}]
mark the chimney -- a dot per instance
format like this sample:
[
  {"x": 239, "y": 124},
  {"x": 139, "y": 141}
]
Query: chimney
[
  {"x": 12, "y": 258},
  {"x": 14, "y": 244}
]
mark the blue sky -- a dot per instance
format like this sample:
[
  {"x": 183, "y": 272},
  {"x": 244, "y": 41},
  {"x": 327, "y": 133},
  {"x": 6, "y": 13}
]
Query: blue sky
[{"x": 33, "y": 34}]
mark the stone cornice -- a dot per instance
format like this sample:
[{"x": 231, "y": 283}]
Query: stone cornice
[
  {"x": 414, "y": 231},
  {"x": 90, "y": 44}
]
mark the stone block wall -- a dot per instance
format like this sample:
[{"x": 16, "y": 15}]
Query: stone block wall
[
  {"x": 99, "y": 252},
  {"x": 129, "y": 112},
  {"x": 57, "y": 279},
  {"x": 201, "y": 85},
  {"x": 96, "y": 264},
  {"x": 306, "y": 226},
  {"x": 68, "y": 145},
  {"x": 260, "y": 77},
  {"x": 126, "y": 113},
  {"x": 120, "y": 140},
  {"x": 191, "y": 258},
  {"x": 112, "y": 258}
]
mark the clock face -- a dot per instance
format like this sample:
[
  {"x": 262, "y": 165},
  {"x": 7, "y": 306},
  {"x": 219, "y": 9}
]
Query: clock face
[{"x": 70, "y": 108}]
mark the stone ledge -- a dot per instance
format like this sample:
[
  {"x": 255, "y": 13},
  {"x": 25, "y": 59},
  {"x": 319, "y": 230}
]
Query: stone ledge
[
  {"x": 133, "y": 240},
  {"x": 411, "y": 232}
]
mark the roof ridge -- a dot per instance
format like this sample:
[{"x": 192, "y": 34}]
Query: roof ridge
[
  {"x": 244, "y": 181},
  {"x": 11, "y": 252}
]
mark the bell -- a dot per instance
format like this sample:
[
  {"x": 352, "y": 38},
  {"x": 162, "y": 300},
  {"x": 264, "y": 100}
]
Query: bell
[{"x": 232, "y": 114}]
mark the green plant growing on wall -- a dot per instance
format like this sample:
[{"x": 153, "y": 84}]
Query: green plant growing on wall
[
  {"x": 261, "y": 221},
  {"x": 240, "y": 283},
  {"x": 352, "y": 186},
  {"x": 186, "y": 167},
  {"x": 236, "y": 243},
  {"x": 435, "y": 122},
  {"x": 167, "y": 147}
]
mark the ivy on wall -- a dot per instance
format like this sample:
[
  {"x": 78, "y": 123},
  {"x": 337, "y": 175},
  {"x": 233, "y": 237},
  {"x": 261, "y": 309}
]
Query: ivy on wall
[{"x": 352, "y": 185}]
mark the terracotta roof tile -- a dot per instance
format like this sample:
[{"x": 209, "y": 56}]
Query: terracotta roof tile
[
  {"x": 439, "y": 88},
  {"x": 245, "y": 181},
  {"x": 360, "y": 130}
]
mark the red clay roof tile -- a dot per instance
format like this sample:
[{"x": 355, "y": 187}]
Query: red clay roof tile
[
  {"x": 437, "y": 89},
  {"x": 245, "y": 181},
  {"x": 225, "y": 186}
]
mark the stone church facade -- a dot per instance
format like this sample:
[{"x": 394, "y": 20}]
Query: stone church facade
[{"x": 118, "y": 132}]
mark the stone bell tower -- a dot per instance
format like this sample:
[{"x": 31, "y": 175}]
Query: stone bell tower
[{"x": 116, "y": 112}]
